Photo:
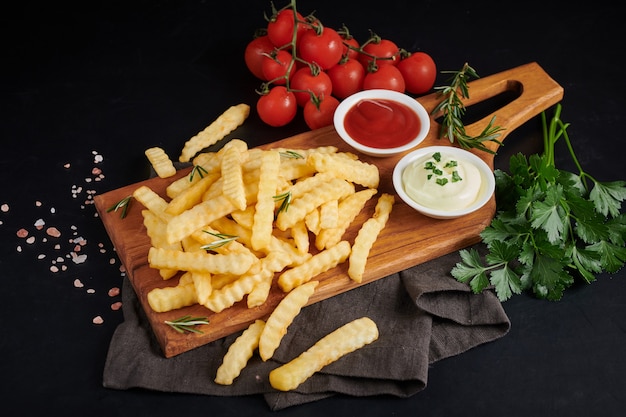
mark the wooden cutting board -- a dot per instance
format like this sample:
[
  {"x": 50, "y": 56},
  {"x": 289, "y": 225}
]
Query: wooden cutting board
[{"x": 408, "y": 239}]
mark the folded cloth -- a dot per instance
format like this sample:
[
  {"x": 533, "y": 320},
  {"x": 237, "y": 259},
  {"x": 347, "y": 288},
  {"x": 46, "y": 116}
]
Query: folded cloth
[{"x": 423, "y": 315}]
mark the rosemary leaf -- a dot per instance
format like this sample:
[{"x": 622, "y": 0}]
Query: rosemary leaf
[
  {"x": 452, "y": 109},
  {"x": 197, "y": 169},
  {"x": 291, "y": 154},
  {"x": 222, "y": 240},
  {"x": 186, "y": 324},
  {"x": 123, "y": 204},
  {"x": 285, "y": 199}
]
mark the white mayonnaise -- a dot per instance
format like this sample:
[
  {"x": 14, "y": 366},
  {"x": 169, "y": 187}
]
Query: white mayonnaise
[{"x": 442, "y": 182}]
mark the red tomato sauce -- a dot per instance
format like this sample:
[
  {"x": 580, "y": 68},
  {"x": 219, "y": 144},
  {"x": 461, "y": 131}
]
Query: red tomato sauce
[{"x": 381, "y": 123}]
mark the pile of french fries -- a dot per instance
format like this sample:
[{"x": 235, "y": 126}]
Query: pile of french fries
[{"x": 246, "y": 219}]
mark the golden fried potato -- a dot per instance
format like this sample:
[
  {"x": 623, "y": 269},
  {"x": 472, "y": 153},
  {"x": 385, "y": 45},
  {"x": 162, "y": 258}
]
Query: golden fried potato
[
  {"x": 161, "y": 163},
  {"x": 282, "y": 316},
  {"x": 367, "y": 236},
  {"x": 321, "y": 262},
  {"x": 226, "y": 122},
  {"x": 239, "y": 353},
  {"x": 346, "y": 339}
]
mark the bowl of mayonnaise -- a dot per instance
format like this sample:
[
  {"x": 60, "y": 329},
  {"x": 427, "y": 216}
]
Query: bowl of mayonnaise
[{"x": 443, "y": 182}]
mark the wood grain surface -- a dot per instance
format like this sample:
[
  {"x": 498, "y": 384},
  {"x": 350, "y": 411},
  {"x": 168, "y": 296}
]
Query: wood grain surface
[{"x": 408, "y": 239}]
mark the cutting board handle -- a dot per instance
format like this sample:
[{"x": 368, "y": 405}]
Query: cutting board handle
[{"x": 536, "y": 91}]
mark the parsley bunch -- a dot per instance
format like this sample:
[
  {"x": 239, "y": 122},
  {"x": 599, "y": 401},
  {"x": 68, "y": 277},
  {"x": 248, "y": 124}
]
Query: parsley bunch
[{"x": 551, "y": 226}]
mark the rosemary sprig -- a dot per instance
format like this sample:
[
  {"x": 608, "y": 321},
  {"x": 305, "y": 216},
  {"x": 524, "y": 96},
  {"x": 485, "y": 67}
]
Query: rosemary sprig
[
  {"x": 197, "y": 169},
  {"x": 123, "y": 204},
  {"x": 186, "y": 323},
  {"x": 453, "y": 109},
  {"x": 285, "y": 199},
  {"x": 222, "y": 240},
  {"x": 291, "y": 154}
]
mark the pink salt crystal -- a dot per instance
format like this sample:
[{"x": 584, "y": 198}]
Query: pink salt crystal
[
  {"x": 113, "y": 292},
  {"x": 98, "y": 320},
  {"x": 53, "y": 231},
  {"x": 116, "y": 306},
  {"x": 78, "y": 283},
  {"x": 22, "y": 233}
]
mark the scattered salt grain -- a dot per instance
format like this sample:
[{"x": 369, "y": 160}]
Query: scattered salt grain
[
  {"x": 39, "y": 224},
  {"x": 22, "y": 233},
  {"x": 38, "y": 203},
  {"x": 18, "y": 248},
  {"x": 53, "y": 210},
  {"x": 67, "y": 165},
  {"x": 78, "y": 259},
  {"x": 4, "y": 208},
  {"x": 41, "y": 256},
  {"x": 53, "y": 231},
  {"x": 116, "y": 306},
  {"x": 30, "y": 240},
  {"x": 54, "y": 268},
  {"x": 112, "y": 261},
  {"x": 113, "y": 292},
  {"x": 91, "y": 291},
  {"x": 78, "y": 283},
  {"x": 97, "y": 320}
]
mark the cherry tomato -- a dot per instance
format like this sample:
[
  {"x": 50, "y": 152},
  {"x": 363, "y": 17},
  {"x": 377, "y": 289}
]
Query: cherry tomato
[
  {"x": 277, "y": 66},
  {"x": 310, "y": 79},
  {"x": 320, "y": 114},
  {"x": 346, "y": 77},
  {"x": 382, "y": 49},
  {"x": 280, "y": 27},
  {"x": 387, "y": 77},
  {"x": 419, "y": 72},
  {"x": 324, "y": 49},
  {"x": 255, "y": 53},
  {"x": 350, "y": 41},
  {"x": 278, "y": 107}
]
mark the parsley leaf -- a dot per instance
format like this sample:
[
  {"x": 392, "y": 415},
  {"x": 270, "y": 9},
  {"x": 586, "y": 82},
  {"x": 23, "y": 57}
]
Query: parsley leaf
[{"x": 550, "y": 227}]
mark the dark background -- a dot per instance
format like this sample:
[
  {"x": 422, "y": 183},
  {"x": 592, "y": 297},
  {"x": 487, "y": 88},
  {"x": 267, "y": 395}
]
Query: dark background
[{"x": 110, "y": 79}]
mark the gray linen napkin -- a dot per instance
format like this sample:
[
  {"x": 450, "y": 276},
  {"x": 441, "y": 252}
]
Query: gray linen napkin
[{"x": 423, "y": 315}]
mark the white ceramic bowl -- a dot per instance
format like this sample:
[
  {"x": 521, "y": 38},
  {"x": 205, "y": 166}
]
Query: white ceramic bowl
[
  {"x": 487, "y": 188},
  {"x": 413, "y": 104}
]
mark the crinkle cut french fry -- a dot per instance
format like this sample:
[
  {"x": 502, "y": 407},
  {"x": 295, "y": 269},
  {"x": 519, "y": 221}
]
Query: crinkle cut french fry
[
  {"x": 306, "y": 184},
  {"x": 348, "y": 209},
  {"x": 156, "y": 228},
  {"x": 318, "y": 263},
  {"x": 282, "y": 316},
  {"x": 239, "y": 353},
  {"x": 353, "y": 170},
  {"x": 198, "y": 216},
  {"x": 161, "y": 163},
  {"x": 232, "y": 176},
  {"x": 329, "y": 214},
  {"x": 367, "y": 235},
  {"x": 202, "y": 284},
  {"x": 153, "y": 202},
  {"x": 191, "y": 195},
  {"x": 340, "y": 342},
  {"x": 229, "y": 294},
  {"x": 216, "y": 263},
  {"x": 225, "y": 123},
  {"x": 273, "y": 262},
  {"x": 263, "y": 221},
  {"x": 300, "y": 235},
  {"x": 171, "y": 298},
  {"x": 334, "y": 189}
]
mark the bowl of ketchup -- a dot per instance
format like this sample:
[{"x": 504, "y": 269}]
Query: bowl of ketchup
[{"x": 381, "y": 122}]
